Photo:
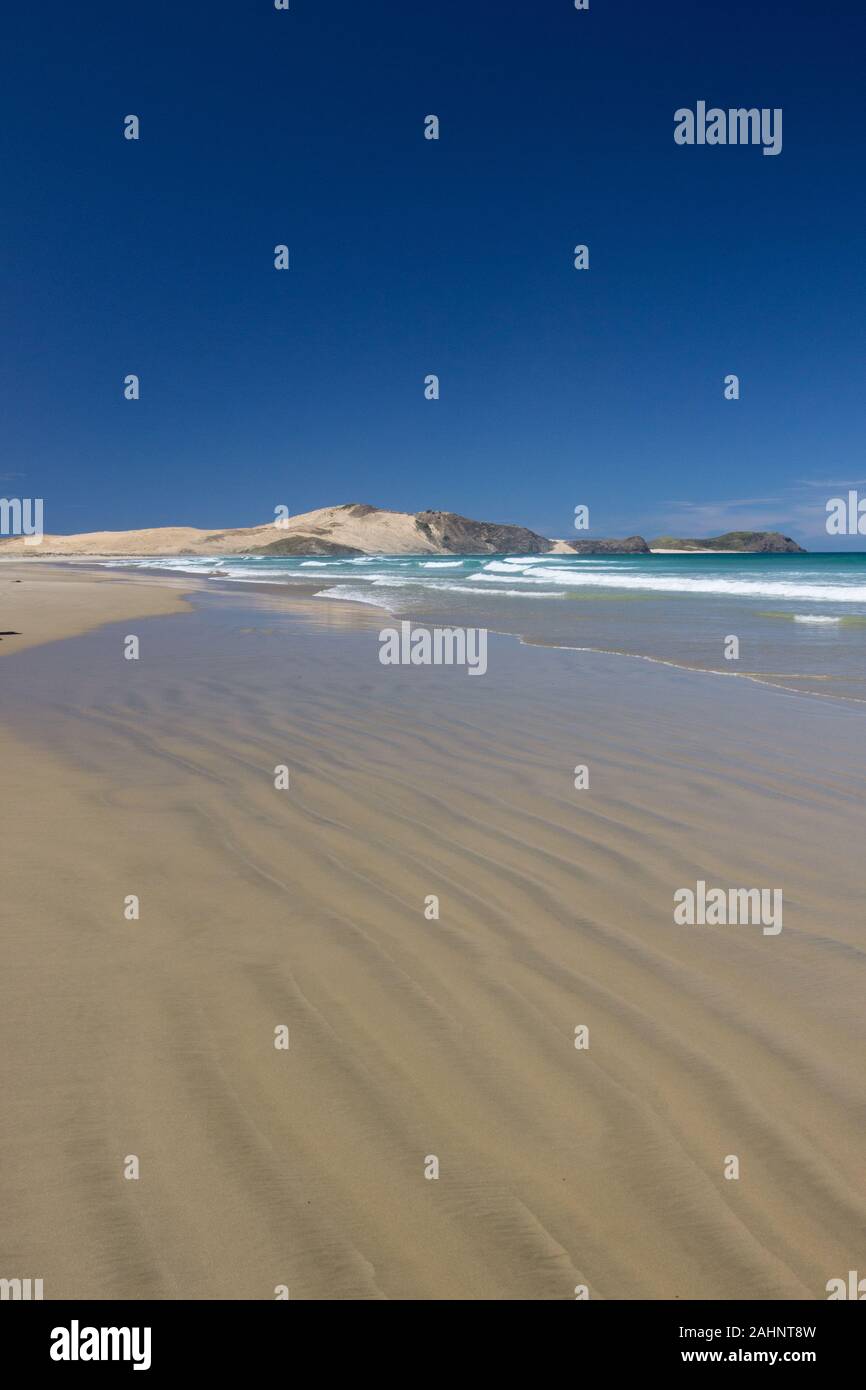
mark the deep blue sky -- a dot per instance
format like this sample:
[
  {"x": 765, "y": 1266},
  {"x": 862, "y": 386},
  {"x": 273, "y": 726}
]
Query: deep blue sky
[{"x": 411, "y": 256}]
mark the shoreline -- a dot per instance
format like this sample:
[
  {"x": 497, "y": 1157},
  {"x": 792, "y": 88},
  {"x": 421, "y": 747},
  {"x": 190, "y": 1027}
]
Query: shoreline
[
  {"x": 55, "y": 609},
  {"x": 48, "y": 608},
  {"x": 700, "y": 550},
  {"x": 58, "y": 609}
]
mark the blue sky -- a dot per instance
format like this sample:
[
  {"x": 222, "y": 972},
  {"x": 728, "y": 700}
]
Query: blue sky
[{"x": 453, "y": 257}]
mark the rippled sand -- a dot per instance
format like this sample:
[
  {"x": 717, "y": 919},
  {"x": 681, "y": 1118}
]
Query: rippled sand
[{"x": 412, "y": 1037}]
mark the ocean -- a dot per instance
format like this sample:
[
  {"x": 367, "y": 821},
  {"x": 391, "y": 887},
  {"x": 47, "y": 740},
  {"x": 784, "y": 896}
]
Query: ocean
[{"x": 799, "y": 620}]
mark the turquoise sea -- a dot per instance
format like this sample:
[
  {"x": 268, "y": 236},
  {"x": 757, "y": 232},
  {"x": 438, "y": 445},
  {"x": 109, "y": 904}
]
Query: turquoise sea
[{"x": 800, "y": 620}]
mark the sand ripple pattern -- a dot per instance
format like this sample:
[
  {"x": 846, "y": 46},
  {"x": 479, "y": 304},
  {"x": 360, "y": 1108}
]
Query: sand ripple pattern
[{"x": 412, "y": 1037}]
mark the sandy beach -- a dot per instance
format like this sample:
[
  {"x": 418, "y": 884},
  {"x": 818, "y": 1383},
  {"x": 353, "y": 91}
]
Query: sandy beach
[
  {"x": 46, "y": 603},
  {"x": 409, "y": 1036}
]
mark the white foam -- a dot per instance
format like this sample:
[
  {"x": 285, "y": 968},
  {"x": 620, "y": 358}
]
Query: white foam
[
  {"x": 745, "y": 588},
  {"x": 499, "y": 593},
  {"x": 350, "y": 595},
  {"x": 510, "y": 574}
]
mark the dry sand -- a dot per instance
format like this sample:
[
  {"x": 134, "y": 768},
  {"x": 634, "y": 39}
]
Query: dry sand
[
  {"x": 413, "y": 1037},
  {"x": 44, "y": 603}
]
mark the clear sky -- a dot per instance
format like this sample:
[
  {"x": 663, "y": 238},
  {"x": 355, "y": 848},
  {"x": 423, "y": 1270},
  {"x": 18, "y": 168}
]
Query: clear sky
[{"x": 411, "y": 256}]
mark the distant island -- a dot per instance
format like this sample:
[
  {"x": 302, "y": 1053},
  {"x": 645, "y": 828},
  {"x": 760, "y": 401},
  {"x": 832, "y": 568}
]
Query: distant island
[
  {"x": 357, "y": 528},
  {"x": 748, "y": 542}
]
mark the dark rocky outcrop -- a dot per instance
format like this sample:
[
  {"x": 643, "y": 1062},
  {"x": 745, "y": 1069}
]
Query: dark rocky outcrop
[
  {"x": 304, "y": 545},
  {"x": 457, "y": 535}
]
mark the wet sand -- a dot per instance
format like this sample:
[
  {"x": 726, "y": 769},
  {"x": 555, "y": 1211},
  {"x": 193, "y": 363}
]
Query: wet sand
[{"x": 412, "y": 1037}]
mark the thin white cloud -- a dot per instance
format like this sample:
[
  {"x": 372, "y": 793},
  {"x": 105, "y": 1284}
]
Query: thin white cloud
[{"x": 832, "y": 482}]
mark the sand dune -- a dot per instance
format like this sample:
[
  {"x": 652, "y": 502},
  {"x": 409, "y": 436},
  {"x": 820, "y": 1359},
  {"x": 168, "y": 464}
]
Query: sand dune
[{"x": 354, "y": 528}]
